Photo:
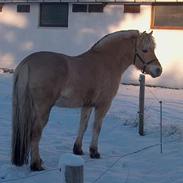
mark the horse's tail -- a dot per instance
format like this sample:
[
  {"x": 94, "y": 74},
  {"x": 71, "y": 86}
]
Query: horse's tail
[{"x": 23, "y": 116}]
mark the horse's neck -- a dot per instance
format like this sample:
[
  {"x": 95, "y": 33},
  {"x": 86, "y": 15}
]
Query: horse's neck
[
  {"x": 127, "y": 52},
  {"x": 118, "y": 53}
]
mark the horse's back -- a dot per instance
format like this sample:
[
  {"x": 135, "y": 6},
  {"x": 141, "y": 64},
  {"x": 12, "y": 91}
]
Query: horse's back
[
  {"x": 45, "y": 66},
  {"x": 44, "y": 60}
]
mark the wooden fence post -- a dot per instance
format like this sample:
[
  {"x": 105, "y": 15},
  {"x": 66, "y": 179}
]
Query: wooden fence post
[
  {"x": 141, "y": 104},
  {"x": 72, "y": 168}
]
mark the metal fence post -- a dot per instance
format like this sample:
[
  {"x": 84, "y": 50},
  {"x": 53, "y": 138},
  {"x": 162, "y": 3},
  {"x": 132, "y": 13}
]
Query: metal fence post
[{"x": 141, "y": 104}]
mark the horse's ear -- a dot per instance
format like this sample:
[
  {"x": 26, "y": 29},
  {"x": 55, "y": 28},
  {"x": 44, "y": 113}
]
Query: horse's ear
[
  {"x": 151, "y": 33},
  {"x": 142, "y": 34}
]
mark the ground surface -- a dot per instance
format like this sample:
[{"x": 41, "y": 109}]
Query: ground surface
[{"x": 126, "y": 157}]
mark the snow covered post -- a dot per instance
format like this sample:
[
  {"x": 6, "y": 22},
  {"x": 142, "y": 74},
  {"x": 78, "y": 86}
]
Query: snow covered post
[
  {"x": 72, "y": 168},
  {"x": 141, "y": 104}
]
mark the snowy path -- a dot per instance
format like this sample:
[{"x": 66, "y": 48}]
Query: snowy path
[{"x": 126, "y": 157}]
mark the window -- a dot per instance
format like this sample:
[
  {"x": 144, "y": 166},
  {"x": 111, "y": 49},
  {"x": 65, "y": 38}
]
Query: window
[
  {"x": 79, "y": 8},
  {"x": 1, "y": 7},
  {"x": 131, "y": 8},
  {"x": 167, "y": 16},
  {"x": 95, "y": 8},
  {"x": 22, "y": 8},
  {"x": 54, "y": 14},
  {"x": 91, "y": 8}
]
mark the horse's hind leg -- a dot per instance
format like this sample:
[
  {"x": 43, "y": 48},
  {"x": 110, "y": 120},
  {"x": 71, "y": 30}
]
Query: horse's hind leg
[
  {"x": 42, "y": 116},
  {"x": 100, "y": 112},
  {"x": 85, "y": 115}
]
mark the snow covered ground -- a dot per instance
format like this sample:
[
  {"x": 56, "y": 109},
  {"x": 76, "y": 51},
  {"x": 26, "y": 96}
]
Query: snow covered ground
[{"x": 126, "y": 156}]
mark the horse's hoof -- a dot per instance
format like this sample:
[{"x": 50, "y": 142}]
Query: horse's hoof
[
  {"x": 77, "y": 149},
  {"x": 36, "y": 167},
  {"x": 94, "y": 154}
]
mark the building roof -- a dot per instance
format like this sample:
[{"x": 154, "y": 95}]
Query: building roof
[{"x": 93, "y": 1}]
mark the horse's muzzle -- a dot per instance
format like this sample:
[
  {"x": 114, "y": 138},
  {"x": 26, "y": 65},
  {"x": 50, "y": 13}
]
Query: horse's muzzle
[{"x": 155, "y": 71}]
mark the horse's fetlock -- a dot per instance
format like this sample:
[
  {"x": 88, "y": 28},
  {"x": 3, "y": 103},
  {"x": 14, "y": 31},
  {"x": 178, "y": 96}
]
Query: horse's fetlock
[
  {"x": 37, "y": 166},
  {"x": 94, "y": 154},
  {"x": 77, "y": 149}
]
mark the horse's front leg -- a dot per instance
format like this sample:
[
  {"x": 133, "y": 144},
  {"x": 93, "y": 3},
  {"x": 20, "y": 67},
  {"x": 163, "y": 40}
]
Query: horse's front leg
[
  {"x": 85, "y": 115},
  {"x": 100, "y": 112}
]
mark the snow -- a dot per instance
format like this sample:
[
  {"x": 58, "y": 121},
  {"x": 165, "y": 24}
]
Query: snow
[
  {"x": 126, "y": 157},
  {"x": 70, "y": 159}
]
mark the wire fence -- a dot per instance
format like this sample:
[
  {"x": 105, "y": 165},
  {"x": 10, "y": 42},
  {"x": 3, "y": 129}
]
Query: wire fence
[
  {"x": 119, "y": 157},
  {"x": 152, "y": 102},
  {"x": 171, "y": 108}
]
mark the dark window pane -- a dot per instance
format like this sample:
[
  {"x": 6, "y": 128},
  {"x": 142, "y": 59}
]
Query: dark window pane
[
  {"x": 1, "y": 7},
  {"x": 79, "y": 8},
  {"x": 132, "y": 8},
  {"x": 22, "y": 8},
  {"x": 167, "y": 16},
  {"x": 54, "y": 14},
  {"x": 98, "y": 8}
]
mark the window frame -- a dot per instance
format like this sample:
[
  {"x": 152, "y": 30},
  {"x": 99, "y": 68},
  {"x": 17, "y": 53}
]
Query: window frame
[
  {"x": 153, "y": 26},
  {"x": 1, "y": 7},
  {"x": 90, "y": 7},
  {"x": 96, "y": 8},
  {"x": 20, "y": 8},
  {"x": 61, "y": 25},
  {"x": 132, "y": 8},
  {"x": 76, "y": 5}
]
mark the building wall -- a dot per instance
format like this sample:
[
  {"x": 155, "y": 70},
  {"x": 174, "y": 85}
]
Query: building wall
[{"x": 21, "y": 35}]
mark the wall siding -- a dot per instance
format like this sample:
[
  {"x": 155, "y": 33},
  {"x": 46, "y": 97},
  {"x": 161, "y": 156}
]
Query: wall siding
[{"x": 22, "y": 35}]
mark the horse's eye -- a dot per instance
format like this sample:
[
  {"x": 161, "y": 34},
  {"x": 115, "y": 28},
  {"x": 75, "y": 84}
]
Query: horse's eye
[{"x": 145, "y": 50}]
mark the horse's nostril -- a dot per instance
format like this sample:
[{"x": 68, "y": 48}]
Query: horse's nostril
[
  {"x": 145, "y": 50},
  {"x": 158, "y": 71}
]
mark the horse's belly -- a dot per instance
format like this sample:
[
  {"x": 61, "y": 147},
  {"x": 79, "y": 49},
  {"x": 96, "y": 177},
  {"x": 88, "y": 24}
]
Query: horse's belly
[{"x": 68, "y": 102}]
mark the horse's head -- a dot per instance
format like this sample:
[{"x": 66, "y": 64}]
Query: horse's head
[{"x": 145, "y": 58}]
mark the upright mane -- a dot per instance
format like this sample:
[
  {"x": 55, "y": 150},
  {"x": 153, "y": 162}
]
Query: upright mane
[
  {"x": 114, "y": 36},
  {"x": 147, "y": 40}
]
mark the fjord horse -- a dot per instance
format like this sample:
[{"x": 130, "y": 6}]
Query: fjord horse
[{"x": 89, "y": 80}]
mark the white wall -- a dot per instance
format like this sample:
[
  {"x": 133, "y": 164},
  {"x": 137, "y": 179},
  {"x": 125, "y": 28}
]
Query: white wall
[{"x": 21, "y": 35}]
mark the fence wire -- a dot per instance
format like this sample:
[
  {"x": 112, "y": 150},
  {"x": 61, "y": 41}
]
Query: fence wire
[{"x": 121, "y": 157}]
